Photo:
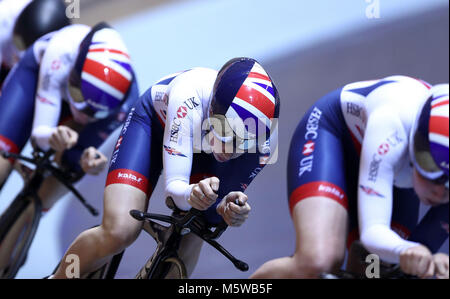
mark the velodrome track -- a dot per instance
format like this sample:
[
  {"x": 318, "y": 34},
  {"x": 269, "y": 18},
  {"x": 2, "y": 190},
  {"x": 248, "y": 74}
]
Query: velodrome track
[{"x": 304, "y": 69}]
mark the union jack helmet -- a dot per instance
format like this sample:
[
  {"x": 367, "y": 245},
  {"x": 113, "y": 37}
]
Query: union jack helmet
[
  {"x": 244, "y": 104},
  {"x": 429, "y": 139},
  {"x": 101, "y": 78}
]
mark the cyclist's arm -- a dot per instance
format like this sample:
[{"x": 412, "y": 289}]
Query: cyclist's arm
[
  {"x": 94, "y": 134},
  {"x": 178, "y": 143},
  {"x": 375, "y": 188},
  {"x": 53, "y": 74}
]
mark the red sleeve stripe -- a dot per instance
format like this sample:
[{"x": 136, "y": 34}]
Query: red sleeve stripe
[
  {"x": 9, "y": 146},
  {"x": 131, "y": 178},
  {"x": 319, "y": 188}
]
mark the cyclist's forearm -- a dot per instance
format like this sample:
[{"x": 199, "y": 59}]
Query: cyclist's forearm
[
  {"x": 41, "y": 136},
  {"x": 179, "y": 191},
  {"x": 382, "y": 241}
]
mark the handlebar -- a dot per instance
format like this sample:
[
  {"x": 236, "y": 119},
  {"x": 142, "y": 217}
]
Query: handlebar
[
  {"x": 395, "y": 272},
  {"x": 194, "y": 221},
  {"x": 42, "y": 162}
]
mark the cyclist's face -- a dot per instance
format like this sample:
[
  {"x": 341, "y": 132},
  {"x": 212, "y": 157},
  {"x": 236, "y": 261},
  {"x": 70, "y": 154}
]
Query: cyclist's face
[
  {"x": 219, "y": 150},
  {"x": 80, "y": 117},
  {"x": 430, "y": 193}
]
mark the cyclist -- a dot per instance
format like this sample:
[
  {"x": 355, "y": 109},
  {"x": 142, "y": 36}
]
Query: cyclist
[
  {"x": 70, "y": 91},
  {"x": 79, "y": 72},
  {"x": 22, "y": 22},
  {"x": 187, "y": 120},
  {"x": 363, "y": 150}
]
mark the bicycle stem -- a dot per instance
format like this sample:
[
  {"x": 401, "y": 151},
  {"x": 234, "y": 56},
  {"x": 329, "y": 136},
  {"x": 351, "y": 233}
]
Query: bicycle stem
[{"x": 59, "y": 176}]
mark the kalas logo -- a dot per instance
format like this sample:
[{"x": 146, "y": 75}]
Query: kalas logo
[
  {"x": 332, "y": 190},
  {"x": 129, "y": 176}
]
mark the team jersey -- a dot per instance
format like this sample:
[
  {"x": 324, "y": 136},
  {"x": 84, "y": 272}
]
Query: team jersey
[
  {"x": 184, "y": 118},
  {"x": 9, "y": 12},
  {"x": 352, "y": 146},
  {"x": 170, "y": 121},
  {"x": 380, "y": 115},
  {"x": 35, "y": 97},
  {"x": 189, "y": 95}
]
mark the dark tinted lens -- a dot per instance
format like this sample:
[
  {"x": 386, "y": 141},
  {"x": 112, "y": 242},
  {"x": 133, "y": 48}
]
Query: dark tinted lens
[
  {"x": 19, "y": 43},
  {"x": 441, "y": 180},
  {"x": 76, "y": 94}
]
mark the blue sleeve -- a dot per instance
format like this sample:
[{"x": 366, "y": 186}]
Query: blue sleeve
[{"x": 432, "y": 231}]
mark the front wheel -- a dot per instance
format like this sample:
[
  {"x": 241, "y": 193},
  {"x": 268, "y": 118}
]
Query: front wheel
[
  {"x": 168, "y": 268},
  {"x": 18, "y": 227}
]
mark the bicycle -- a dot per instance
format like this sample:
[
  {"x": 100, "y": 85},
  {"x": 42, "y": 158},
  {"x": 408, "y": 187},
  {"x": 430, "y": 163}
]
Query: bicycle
[
  {"x": 15, "y": 252},
  {"x": 168, "y": 240}
]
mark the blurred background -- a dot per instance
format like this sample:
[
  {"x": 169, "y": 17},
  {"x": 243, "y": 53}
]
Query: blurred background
[{"x": 308, "y": 47}]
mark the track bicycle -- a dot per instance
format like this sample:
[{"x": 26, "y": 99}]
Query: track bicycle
[
  {"x": 17, "y": 231},
  {"x": 165, "y": 259}
]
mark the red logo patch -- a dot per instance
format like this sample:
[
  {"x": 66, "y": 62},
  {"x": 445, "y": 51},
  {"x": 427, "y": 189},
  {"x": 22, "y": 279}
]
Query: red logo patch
[
  {"x": 56, "y": 64},
  {"x": 308, "y": 148},
  {"x": 182, "y": 112},
  {"x": 383, "y": 149}
]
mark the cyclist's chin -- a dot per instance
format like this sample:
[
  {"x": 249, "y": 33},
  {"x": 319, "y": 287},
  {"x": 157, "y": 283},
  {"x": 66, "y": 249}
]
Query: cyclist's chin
[
  {"x": 222, "y": 157},
  {"x": 80, "y": 117},
  {"x": 432, "y": 201}
]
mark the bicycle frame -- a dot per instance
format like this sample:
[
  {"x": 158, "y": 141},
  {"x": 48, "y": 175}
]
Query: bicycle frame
[{"x": 168, "y": 239}]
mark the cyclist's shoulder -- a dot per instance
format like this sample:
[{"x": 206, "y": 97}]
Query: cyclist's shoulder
[
  {"x": 388, "y": 88},
  {"x": 11, "y": 9},
  {"x": 196, "y": 78},
  {"x": 66, "y": 39},
  {"x": 395, "y": 96},
  {"x": 399, "y": 81}
]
